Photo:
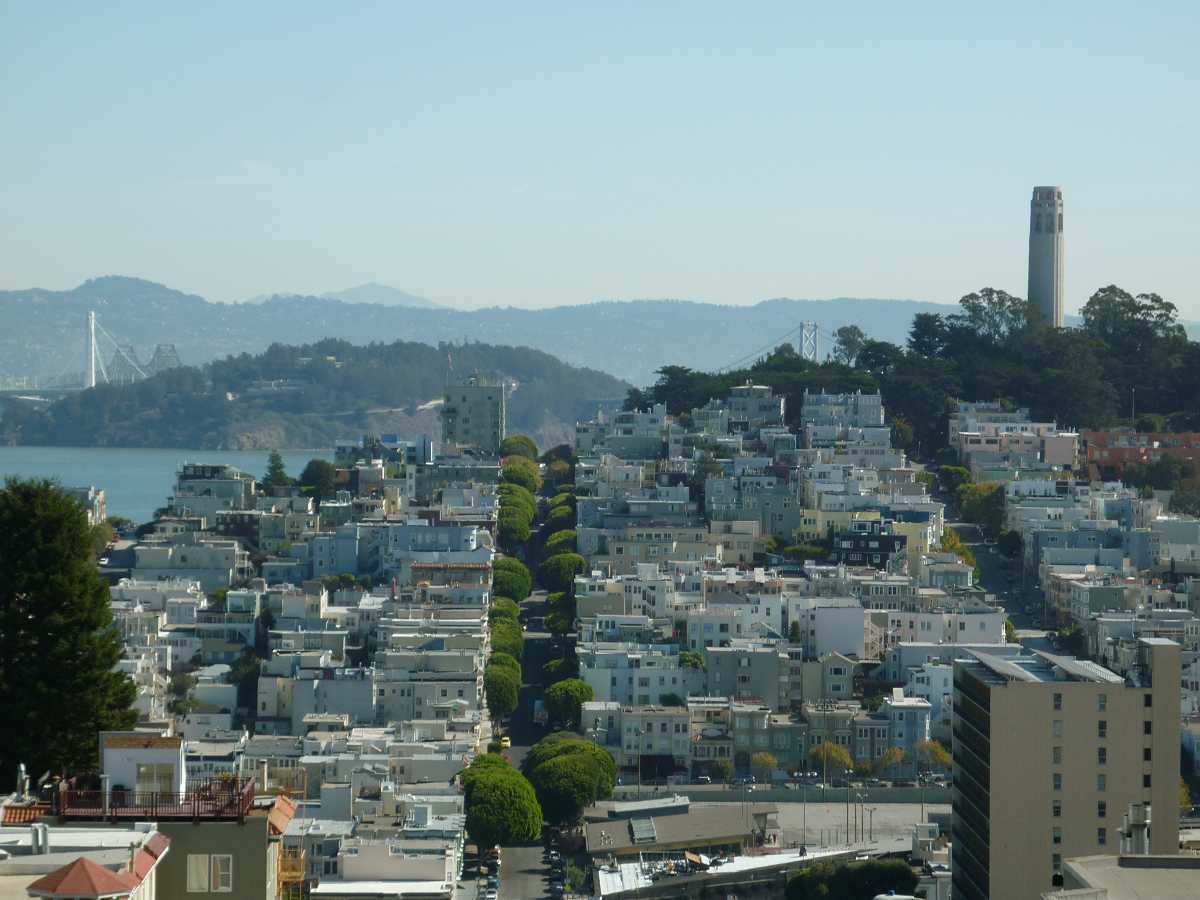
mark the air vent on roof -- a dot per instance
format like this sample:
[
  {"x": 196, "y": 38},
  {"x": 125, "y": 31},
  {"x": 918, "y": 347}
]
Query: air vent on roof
[{"x": 643, "y": 831}]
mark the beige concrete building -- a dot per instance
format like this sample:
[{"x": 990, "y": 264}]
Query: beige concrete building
[
  {"x": 1049, "y": 753},
  {"x": 475, "y": 414}
]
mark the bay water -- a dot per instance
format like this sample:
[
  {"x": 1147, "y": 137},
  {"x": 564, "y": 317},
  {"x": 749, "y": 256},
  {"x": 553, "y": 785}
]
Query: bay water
[{"x": 135, "y": 481}]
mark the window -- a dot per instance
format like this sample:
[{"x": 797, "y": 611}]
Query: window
[
  {"x": 1101, "y": 836},
  {"x": 1146, "y": 755},
  {"x": 1101, "y": 782},
  {"x": 1102, "y": 702},
  {"x": 1056, "y": 809},
  {"x": 1057, "y": 838},
  {"x": 1146, "y": 780},
  {"x": 1102, "y": 729},
  {"x": 1058, "y": 781},
  {"x": 1057, "y": 756},
  {"x": 221, "y": 881},
  {"x": 1148, "y": 701},
  {"x": 197, "y": 873},
  {"x": 1056, "y": 861},
  {"x": 1101, "y": 756},
  {"x": 1101, "y": 809},
  {"x": 1147, "y": 727},
  {"x": 1058, "y": 701},
  {"x": 1058, "y": 728}
]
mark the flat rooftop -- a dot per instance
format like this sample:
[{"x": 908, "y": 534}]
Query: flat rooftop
[
  {"x": 1138, "y": 878},
  {"x": 1038, "y": 667}
]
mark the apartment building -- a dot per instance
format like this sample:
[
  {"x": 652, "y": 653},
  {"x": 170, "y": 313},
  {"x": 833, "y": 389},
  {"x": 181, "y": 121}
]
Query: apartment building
[
  {"x": 475, "y": 414},
  {"x": 1049, "y": 752}
]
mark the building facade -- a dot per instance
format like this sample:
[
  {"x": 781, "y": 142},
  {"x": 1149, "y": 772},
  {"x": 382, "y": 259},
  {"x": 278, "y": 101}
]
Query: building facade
[{"x": 1049, "y": 752}]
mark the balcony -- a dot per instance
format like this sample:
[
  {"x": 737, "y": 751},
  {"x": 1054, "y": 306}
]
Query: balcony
[
  {"x": 218, "y": 800},
  {"x": 291, "y": 865}
]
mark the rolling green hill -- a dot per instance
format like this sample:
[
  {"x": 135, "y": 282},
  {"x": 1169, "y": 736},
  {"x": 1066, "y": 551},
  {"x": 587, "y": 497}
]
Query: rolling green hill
[{"x": 312, "y": 395}]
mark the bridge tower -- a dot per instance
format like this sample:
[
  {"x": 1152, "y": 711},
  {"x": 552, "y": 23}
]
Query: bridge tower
[
  {"x": 808, "y": 341},
  {"x": 90, "y": 365}
]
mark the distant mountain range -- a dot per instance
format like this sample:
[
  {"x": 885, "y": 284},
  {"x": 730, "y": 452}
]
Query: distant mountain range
[
  {"x": 41, "y": 331},
  {"x": 372, "y": 292}
]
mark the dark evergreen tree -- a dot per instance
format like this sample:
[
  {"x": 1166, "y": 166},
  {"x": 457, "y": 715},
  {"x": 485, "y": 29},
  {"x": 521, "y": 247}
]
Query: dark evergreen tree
[
  {"x": 58, "y": 687},
  {"x": 320, "y": 478},
  {"x": 277, "y": 475}
]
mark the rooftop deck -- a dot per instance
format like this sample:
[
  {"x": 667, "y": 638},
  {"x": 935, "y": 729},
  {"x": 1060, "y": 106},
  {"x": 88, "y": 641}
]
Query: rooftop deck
[{"x": 218, "y": 800}]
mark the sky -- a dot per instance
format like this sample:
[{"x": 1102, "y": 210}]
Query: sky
[{"x": 545, "y": 154}]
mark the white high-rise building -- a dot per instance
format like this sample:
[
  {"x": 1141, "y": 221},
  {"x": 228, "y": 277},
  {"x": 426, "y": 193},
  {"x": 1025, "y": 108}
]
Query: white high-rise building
[{"x": 1046, "y": 253}]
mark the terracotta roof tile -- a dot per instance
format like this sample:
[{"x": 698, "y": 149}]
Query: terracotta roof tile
[
  {"x": 84, "y": 878},
  {"x": 23, "y": 815}
]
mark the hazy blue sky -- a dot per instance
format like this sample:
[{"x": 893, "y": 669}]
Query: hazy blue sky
[{"x": 535, "y": 155}]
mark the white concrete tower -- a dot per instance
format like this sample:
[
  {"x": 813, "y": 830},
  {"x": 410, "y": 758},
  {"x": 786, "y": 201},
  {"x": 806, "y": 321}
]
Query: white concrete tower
[
  {"x": 1046, "y": 253},
  {"x": 90, "y": 372}
]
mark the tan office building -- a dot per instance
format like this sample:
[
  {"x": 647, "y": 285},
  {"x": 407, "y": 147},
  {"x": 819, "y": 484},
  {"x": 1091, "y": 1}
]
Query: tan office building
[
  {"x": 475, "y": 414},
  {"x": 1049, "y": 752}
]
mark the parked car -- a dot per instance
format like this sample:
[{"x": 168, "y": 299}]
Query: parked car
[
  {"x": 506, "y": 742},
  {"x": 703, "y": 779}
]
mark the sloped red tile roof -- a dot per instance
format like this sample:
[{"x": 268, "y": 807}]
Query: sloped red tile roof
[
  {"x": 23, "y": 815},
  {"x": 84, "y": 878}
]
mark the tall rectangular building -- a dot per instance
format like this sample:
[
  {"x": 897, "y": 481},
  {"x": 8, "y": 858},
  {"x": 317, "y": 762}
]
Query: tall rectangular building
[
  {"x": 1049, "y": 752},
  {"x": 475, "y": 414},
  {"x": 1046, "y": 253}
]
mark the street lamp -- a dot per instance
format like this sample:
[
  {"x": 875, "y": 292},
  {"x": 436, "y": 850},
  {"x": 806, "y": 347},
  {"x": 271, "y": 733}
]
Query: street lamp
[
  {"x": 848, "y": 772},
  {"x": 638, "y": 733}
]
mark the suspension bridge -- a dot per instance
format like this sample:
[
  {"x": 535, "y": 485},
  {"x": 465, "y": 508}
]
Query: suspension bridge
[{"x": 122, "y": 367}]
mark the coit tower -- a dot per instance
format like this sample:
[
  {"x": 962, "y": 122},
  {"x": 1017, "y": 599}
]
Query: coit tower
[{"x": 1046, "y": 253}]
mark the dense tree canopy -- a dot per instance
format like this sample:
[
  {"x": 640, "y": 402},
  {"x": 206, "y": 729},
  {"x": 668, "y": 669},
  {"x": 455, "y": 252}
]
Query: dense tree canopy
[
  {"x": 558, "y": 572},
  {"x": 58, "y": 650},
  {"x": 519, "y": 445},
  {"x": 500, "y": 804},
  {"x": 512, "y": 531},
  {"x": 568, "y": 774},
  {"x": 560, "y": 518},
  {"x": 502, "y": 686},
  {"x": 1129, "y": 349},
  {"x": 503, "y": 608},
  {"x": 565, "y": 698},
  {"x": 855, "y": 881},
  {"x": 507, "y": 638},
  {"x": 319, "y": 478},
  {"x": 559, "y": 542},
  {"x": 523, "y": 472},
  {"x": 507, "y": 662},
  {"x": 511, "y": 578}
]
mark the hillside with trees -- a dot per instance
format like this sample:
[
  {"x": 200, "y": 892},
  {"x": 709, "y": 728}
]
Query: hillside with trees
[
  {"x": 1129, "y": 362},
  {"x": 41, "y": 331},
  {"x": 310, "y": 396}
]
